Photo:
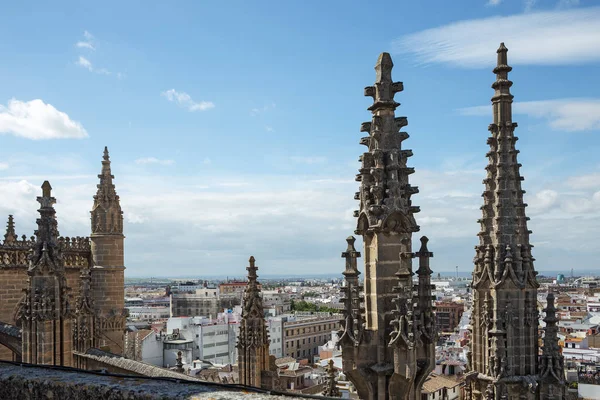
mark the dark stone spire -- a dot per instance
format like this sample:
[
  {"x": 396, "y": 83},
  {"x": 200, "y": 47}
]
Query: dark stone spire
[
  {"x": 107, "y": 217},
  {"x": 331, "y": 389},
  {"x": 504, "y": 341},
  {"x": 253, "y": 338},
  {"x": 552, "y": 373},
  {"x": 10, "y": 236},
  {"x": 383, "y": 352},
  {"x": 46, "y": 252}
]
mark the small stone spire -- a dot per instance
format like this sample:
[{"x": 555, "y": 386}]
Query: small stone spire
[
  {"x": 331, "y": 389},
  {"x": 353, "y": 298},
  {"x": 107, "y": 217},
  {"x": 351, "y": 256},
  {"x": 10, "y": 236},
  {"x": 46, "y": 246},
  {"x": 552, "y": 374}
]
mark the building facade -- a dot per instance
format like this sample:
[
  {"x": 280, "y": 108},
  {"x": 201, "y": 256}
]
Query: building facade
[
  {"x": 448, "y": 315},
  {"x": 387, "y": 336},
  {"x": 504, "y": 357},
  {"x": 304, "y": 334}
]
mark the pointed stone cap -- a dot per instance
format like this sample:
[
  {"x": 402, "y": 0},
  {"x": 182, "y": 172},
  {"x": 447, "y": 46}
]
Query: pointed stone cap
[
  {"x": 550, "y": 310},
  {"x": 351, "y": 256},
  {"x": 502, "y": 63},
  {"x": 46, "y": 189},
  {"x": 106, "y": 156},
  {"x": 383, "y": 68}
]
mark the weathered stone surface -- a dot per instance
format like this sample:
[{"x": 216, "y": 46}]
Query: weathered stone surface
[{"x": 34, "y": 383}]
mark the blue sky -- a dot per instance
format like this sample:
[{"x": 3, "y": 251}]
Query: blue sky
[{"x": 233, "y": 127}]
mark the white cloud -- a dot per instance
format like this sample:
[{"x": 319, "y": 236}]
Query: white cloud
[
  {"x": 85, "y": 63},
  {"x": 87, "y": 43},
  {"x": 557, "y": 37},
  {"x": 184, "y": 100},
  {"x": 153, "y": 160},
  {"x": 529, "y": 4},
  {"x": 3, "y": 166},
  {"x": 308, "y": 160},
  {"x": 37, "y": 120},
  {"x": 562, "y": 114},
  {"x": 259, "y": 110},
  {"x": 493, "y": 2}
]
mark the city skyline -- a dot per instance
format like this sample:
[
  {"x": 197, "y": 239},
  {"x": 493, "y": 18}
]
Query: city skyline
[{"x": 221, "y": 151}]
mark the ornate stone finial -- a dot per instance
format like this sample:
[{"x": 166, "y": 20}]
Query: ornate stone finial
[
  {"x": 385, "y": 203},
  {"x": 501, "y": 70},
  {"x": 107, "y": 217},
  {"x": 10, "y": 236},
  {"x": 351, "y": 256},
  {"x": 424, "y": 254},
  {"x": 252, "y": 268},
  {"x": 331, "y": 389}
]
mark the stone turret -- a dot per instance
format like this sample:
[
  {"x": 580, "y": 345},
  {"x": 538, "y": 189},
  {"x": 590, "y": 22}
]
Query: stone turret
[
  {"x": 385, "y": 353},
  {"x": 10, "y": 236},
  {"x": 44, "y": 312},
  {"x": 108, "y": 260},
  {"x": 253, "y": 337},
  {"x": 552, "y": 371},
  {"x": 504, "y": 322}
]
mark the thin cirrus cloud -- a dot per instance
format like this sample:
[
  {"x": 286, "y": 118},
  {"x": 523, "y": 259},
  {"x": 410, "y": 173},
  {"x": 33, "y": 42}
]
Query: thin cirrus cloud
[
  {"x": 557, "y": 37},
  {"x": 570, "y": 114},
  {"x": 153, "y": 160},
  {"x": 184, "y": 100},
  {"x": 87, "y": 43},
  {"x": 37, "y": 120}
]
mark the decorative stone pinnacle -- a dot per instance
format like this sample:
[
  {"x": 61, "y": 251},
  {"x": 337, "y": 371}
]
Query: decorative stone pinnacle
[
  {"x": 10, "y": 236},
  {"x": 107, "y": 217},
  {"x": 252, "y": 268},
  {"x": 106, "y": 156}
]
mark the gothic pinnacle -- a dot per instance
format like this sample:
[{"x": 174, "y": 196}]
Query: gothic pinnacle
[
  {"x": 10, "y": 236},
  {"x": 106, "y": 156},
  {"x": 252, "y": 268}
]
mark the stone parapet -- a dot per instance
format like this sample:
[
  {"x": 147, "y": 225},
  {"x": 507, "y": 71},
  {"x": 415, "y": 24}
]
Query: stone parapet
[{"x": 27, "y": 382}]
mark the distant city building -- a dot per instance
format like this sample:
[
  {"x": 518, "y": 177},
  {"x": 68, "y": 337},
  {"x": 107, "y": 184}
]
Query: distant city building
[{"x": 448, "y": 315}]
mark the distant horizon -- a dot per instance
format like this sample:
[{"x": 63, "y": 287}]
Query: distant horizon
[{"x": 444, "y": 274}]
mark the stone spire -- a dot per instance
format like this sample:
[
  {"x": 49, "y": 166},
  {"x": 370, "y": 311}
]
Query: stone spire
[
  {"x": 504, "y": 345},
  {"x": 44, "y": 311},
  {"x": 107, "y": 217},
  {"x": 376, "y": 356},
  {"x": 46, "y": 252},
  {"x": 552, "y": 373},
  {"x": 331, "y": 389},
  {"x": 10, "y": 236},
  {"x": 108, "y": 255},
  {"x": 253, "y": 338}
]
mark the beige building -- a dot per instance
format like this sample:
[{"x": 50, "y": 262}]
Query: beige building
[{"x": 304, "y": 335}]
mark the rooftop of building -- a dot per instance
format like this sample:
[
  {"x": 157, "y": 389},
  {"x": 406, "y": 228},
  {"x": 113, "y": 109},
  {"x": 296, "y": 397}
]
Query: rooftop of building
[{"x": 437, "y": 382}]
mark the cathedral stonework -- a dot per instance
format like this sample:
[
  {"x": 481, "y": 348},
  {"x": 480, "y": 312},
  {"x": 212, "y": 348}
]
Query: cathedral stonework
[
  {"x": 387, "y": 335},
  {"x": 503, "y": 357},
  {"x": 255, "y": 366},
  {"x": 61, "y": 294}
]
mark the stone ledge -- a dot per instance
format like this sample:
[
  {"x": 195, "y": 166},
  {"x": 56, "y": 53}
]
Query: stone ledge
[{"x": 29, "y": 382}]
